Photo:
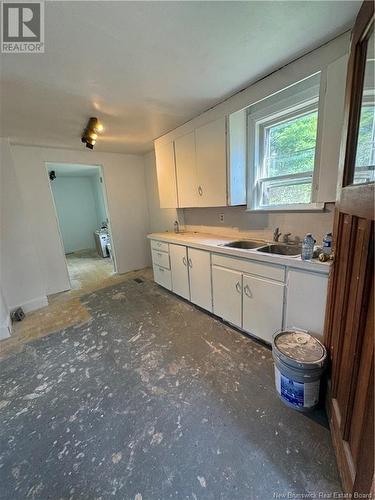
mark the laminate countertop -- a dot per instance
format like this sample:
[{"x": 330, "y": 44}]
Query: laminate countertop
[{"x": 215, "y": 243}]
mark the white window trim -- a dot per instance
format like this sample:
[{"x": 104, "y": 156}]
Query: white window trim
[{"x": 305, "y": 101}]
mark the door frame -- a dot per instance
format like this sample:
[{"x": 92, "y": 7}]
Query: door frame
[
  {"x": 47, "y": 164},
  {"x": 349, "y": 312}
]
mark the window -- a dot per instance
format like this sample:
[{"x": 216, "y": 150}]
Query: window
[
  {"x": 282, "y": 144},
  {"x": 365, "y": 158}
]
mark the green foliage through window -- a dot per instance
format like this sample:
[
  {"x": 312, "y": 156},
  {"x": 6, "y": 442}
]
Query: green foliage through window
[{"x": 289, "y": 148}]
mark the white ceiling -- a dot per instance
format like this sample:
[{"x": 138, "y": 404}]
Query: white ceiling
[
  {"x": 73, "y": 169},
  {"x": 144, "y": 68}
]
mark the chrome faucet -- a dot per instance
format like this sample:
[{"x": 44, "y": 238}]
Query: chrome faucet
[
  {"x": 276, "y": 234},
  {"x": 286, "y": 237}
]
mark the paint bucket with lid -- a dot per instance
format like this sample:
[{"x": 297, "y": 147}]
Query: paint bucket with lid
[{"x": 300, "y": 360}]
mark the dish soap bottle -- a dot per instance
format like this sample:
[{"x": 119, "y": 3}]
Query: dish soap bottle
[{"x": 308, "y": 247}]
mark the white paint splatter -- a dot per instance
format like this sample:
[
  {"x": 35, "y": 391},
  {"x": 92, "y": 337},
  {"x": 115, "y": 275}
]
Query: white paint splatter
[
  {"x": 32, "y": 396},
  {"x": 135, "y": 338},
  {"x": 116, "y": 457},
  {"x": 157, "y": 438},
  {"x": 202, "y": 481},
  {"x": 24, "y": 410},
  {"x": 4, "y": 403}
]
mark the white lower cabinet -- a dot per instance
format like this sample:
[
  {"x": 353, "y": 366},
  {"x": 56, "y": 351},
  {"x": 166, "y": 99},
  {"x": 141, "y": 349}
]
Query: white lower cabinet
[
  {"x": 162, "y": 277},
  {"x": 191, "y": 274},
  {"x": 227, "y": 294},
  {"x": 306, "y": 300},
  {"x": 179, "y": 270},
  {"x": 262, "y": 311},
  {"x": 248, "y": 294},
  {"x": 200, "y": 278}
]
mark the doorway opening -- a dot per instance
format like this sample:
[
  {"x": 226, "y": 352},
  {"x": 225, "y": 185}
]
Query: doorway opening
[{"x": 79, "y": 195}]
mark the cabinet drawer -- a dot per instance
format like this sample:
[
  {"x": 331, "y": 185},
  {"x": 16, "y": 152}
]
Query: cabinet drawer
[
  {"x": 160, "y": 259},
  {"x": 162, "y": 277},
  {"x": 271, "y": 271},
  {"x": 159, "y": 245}
]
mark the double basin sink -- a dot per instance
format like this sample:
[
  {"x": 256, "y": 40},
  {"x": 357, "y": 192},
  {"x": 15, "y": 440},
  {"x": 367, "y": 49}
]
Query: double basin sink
[{"x": 271, "y": 248}]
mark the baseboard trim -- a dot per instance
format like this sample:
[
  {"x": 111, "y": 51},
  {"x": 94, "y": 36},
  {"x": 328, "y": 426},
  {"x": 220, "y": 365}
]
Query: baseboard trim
[
  {"x": 34, "y": 304},
  {"x": 6, "y": 329}
]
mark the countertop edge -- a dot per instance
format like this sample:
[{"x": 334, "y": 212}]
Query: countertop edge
[{"x": 188, "y": 240}]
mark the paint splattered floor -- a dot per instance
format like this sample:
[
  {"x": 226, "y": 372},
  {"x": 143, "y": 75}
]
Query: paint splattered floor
[{"x": 152, "y": 399}]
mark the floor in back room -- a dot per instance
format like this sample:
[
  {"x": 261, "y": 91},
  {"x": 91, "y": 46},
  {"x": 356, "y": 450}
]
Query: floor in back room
[{"x": 153, "y": 399}]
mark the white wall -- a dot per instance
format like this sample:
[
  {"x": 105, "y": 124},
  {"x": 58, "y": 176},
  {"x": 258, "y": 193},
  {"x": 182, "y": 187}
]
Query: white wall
[
  {"x": 22, "y": 283},
  {"x": 76, "y": 206},
  {"x": 127, "y": 203},
  {"x": 98, "y": 187},
  {"x": 161, "y": 219},
  {"x": 242, "y": 224}
]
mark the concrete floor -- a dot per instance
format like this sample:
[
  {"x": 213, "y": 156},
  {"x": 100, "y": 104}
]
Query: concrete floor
[
  {"x": 153, "y": 399},
  {"x": 88, "y": 272}
]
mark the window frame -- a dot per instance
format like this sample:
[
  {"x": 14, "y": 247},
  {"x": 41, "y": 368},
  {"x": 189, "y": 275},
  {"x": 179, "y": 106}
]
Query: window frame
[
  {"x": 279, "y": 110},
  {"x": 368, "y": 99}
]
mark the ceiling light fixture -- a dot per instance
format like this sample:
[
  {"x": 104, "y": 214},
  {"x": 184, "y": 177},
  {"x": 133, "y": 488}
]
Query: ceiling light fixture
[{"x": 90, "y": 134}]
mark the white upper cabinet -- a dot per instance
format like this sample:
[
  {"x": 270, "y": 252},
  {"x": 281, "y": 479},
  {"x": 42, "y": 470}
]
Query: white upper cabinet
[
  {"x": 210, "y": 146},
  {"x": 237, "y": 137},
  {"x": 186, "y": 170},
  {"x": 166, "y": 173}
]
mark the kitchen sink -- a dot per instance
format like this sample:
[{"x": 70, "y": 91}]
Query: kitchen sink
[
  {"x": 244, "y": 244},
  {"x": 289, "y": 250}
]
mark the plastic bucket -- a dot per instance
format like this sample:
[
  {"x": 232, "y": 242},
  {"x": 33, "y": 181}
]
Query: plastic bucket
[{"x": 300, "y": 361}]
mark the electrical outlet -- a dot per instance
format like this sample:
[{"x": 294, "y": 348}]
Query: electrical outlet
[{"x": 221, "y": 217}]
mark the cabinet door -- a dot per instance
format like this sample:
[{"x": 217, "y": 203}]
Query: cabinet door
[
  {"x": 210, "y": 144},
  {"x": 227, "y": 294},
  {"x": 166, "y": 173},
  {"x": 306, "y": 300},
  {"x": 263, "y": 302},
  {"x": 200, "y": 278},
  {"x": 186, "y": 170},
  {"x": 179, "y": 270}
]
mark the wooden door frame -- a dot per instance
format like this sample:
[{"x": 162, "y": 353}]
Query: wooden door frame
[
  {"x": 348, "y": 331},
  {"x": 345, "y": 191}
]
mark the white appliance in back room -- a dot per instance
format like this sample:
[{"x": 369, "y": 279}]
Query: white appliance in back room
[{"x": 102, "y": 242}]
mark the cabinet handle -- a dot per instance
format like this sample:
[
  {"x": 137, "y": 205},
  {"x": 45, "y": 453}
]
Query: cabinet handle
[
  {"x": 248, "y": 291},
  {"x": 184, "y": 261},
  {"x": 161, "y": 269},
  {"x": 200, "y": 190},
  {"x": 158, "y": 244},
  {"x": 238, "y": 287},
  {"x": 190, "y": 263}
]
